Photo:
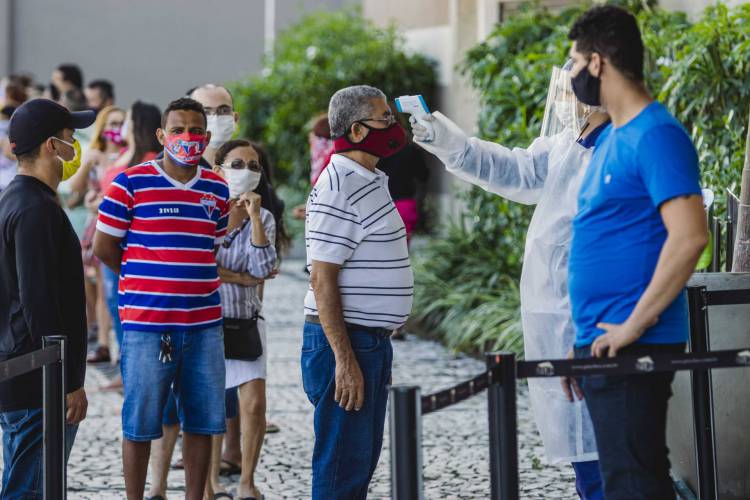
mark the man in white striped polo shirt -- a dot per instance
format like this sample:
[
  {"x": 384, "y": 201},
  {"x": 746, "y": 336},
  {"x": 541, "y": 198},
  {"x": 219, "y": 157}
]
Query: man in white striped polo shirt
[{"x": 361, "y": 290}]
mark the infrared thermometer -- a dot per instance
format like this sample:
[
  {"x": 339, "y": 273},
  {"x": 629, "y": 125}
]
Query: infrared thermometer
[{"x": 415, "y": 106}]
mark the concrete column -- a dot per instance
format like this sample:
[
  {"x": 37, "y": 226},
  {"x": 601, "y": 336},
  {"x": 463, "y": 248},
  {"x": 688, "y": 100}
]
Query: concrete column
[{"x": 6, "y": 37}]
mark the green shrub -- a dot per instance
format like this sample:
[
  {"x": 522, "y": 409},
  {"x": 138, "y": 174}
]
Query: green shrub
[
  {"x": 708, "y": 88},
  {"x": 312, "y": 59}
]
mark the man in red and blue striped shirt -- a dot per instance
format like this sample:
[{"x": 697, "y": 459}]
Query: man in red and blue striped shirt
[{"x": 159, "y": 225}]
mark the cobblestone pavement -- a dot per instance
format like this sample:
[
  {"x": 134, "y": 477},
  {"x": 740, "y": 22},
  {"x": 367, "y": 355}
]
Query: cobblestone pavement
[{"x": 455, "y": 440}]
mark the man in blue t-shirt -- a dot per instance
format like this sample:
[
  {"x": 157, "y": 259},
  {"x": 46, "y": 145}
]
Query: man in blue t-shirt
[{"x": 639, "y": 231}]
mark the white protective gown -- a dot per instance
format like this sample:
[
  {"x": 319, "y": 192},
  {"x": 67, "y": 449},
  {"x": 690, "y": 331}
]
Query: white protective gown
[{"x": 548, "y": 173}]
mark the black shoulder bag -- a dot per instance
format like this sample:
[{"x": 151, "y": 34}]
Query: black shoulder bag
[{"x": 241, "y": 336}]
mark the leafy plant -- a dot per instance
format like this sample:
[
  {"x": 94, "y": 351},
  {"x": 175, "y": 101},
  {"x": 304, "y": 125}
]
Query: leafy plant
[
  {"x": 312, "y": 59},
  {"x": 708, "y": 88}
]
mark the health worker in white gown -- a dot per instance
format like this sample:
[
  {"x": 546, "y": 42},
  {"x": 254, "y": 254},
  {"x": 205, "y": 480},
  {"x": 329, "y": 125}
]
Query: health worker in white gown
[{"x": 548, "y": 174}]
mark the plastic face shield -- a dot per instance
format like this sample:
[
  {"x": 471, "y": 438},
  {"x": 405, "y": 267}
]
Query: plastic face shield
[{"x": 563, "y": 111}]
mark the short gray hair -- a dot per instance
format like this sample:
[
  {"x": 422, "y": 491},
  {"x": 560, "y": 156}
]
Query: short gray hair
[{"x": 349, "y": 105}]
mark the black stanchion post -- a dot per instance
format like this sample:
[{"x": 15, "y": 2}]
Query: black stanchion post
[
  {"x": 54, "y": 423},
  {"x": 702, "y": 394},
  {"x": 406, "y": 443},
  {"x": 501, "y": 399},
  {"x": 729, "y": 250},
  {"x": 716, "y": 257}
]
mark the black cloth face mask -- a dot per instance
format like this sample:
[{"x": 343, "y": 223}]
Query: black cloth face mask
[{"x": 586, "y": 87}]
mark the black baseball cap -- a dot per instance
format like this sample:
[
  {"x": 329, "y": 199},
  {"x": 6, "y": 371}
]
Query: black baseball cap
[{"x": 37, "y": 120}]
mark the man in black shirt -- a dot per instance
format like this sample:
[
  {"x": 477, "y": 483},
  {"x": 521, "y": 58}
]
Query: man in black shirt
[{"x": 41, "y": 285}]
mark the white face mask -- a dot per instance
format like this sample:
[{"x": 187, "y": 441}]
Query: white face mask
[
  {"x": 241, "y": 181},
  {"x": 221, "y": 128}
]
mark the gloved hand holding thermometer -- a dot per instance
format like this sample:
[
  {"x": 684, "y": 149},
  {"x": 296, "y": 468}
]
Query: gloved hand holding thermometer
[{"x": 417, "y": 108}]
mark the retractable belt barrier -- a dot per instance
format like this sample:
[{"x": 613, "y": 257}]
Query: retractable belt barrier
[
  {"x": 51, "y": 359},
  {"x": 500, "y": 378}
]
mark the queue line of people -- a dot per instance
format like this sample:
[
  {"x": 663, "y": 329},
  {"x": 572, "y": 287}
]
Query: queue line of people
[{"x": 616, "y": 181}]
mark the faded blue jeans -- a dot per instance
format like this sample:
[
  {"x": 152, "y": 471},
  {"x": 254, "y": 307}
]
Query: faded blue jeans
[
  {"x": 22, "y": 453},
  {"x": 347, "y": 443}
]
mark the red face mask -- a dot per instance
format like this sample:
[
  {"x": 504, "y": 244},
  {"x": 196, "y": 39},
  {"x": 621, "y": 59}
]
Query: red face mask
[
  {"x": 380, "y": 142},
  {"x": 185, "y": 149}
]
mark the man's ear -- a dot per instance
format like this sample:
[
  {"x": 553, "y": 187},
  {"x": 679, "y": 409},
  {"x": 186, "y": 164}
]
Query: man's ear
[
  {"x": 50, "y": 145},
  {"x": 357, "y": 132},
  {"x": 236, "y": 116},
  {"x": 595, "y": 64},
  {"x": 208, "y": 136},
  {"x": 160, "y": 136}
]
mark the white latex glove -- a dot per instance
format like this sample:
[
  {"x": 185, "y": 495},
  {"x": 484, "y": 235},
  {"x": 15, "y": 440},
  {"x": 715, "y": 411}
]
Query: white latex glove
[{"x": 448, "y": 141}]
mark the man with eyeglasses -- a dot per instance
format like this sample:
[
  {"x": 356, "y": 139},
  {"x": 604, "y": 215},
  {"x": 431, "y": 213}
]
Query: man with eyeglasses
[
  {"x": 218, "y": 103},
  {"x": 361, "y": 286}
]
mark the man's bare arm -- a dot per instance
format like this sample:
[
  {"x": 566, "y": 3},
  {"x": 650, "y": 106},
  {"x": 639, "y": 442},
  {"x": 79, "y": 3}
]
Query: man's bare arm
[
  {"x": 107, "y": 248},
  {"x": 687, "y": 235},
  {"x": 349, "y": 381}
]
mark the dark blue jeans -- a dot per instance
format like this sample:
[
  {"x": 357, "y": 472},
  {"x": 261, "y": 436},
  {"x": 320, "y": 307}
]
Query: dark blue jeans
[
  {"x": 22, "y": 453},
  {"x": 629, "y": 414},
  {"x": 588, "y": 480},
  {"x": 347, "y": 443}
]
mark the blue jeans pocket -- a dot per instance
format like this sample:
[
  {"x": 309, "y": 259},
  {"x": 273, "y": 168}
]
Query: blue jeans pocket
[
  {"x": 364, "y": 342},
  {"x": 317, "y": 372}
]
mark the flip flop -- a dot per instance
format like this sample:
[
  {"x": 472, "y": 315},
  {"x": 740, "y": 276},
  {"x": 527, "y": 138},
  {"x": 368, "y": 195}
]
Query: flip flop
[
  {"x": 178, "y": 465},
  {"x": 230, "y": 470},
  {"x": 222, "y": 494}
]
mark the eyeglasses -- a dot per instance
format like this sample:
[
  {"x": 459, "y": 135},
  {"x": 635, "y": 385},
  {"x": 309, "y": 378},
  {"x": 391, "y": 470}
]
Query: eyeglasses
[
  {"x": 242, "y": 164},
  {"x": 388, "y": 120},
  {"x": 223, "y": 110}
]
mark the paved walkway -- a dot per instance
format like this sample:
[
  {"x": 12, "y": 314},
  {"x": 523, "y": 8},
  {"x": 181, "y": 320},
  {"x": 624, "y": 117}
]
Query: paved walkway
[{"x": 455, "y": 439}]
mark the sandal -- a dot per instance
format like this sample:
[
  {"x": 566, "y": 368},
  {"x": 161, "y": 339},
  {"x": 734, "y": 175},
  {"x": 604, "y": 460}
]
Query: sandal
[
  {"x": 178, "y": 465},
  {"x": 272, "y": 428},
  {"x": 155, "y": 497},
  {"x": 230, "y": 470},
  {"x": 222, "y": 494},
  {"x": 100, "y": 355}
]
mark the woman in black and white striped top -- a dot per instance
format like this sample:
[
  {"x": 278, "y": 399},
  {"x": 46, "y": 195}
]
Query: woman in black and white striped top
[{"x": 246, "y": 258}]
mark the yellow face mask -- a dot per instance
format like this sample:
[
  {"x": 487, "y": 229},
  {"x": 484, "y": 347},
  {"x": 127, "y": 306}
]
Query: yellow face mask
[{"x": 72, "y": 166}]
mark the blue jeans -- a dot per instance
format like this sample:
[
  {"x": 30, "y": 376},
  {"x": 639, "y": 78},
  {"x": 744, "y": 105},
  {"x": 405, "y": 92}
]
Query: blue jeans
[
  {"x": 629, "y": 414},
  {"x": 111, "y": 280},
  {"x": 589, "y": 484},
  {"x": 231, "y": 403},
  {"x": 22, "y": 453},
  {"x": 347, "y": 444},
  {"x": 195, "y": 375}
]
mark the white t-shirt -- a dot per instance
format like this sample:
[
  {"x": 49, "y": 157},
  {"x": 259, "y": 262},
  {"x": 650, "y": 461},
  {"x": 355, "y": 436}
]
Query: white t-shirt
[{"x": 352, "y": 221}]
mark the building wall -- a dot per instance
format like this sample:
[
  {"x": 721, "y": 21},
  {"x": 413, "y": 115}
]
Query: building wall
[
  {"x": 151, "y": 50},
  {"x": 407, "y": 15}
]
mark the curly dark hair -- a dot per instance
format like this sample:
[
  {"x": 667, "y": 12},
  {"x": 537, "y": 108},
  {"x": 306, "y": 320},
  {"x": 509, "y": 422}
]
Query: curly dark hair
[{"x": 613, "y": 33}]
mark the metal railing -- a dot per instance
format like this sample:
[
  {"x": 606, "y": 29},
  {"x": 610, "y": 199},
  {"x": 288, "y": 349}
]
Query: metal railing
[
  {"x": 503, "y": 372},
  {"x": 51, "y": 359}
]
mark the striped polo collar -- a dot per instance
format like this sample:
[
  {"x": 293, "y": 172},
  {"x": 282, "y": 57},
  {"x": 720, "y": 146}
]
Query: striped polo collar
[{"x": 344, "y": 162}]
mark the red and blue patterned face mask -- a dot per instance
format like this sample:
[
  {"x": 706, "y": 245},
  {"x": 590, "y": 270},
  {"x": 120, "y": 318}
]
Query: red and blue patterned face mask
[{"x": 185, "y": 149}]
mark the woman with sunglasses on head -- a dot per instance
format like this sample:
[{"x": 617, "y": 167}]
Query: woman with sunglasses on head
[{"x": 245, "y": 259}]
